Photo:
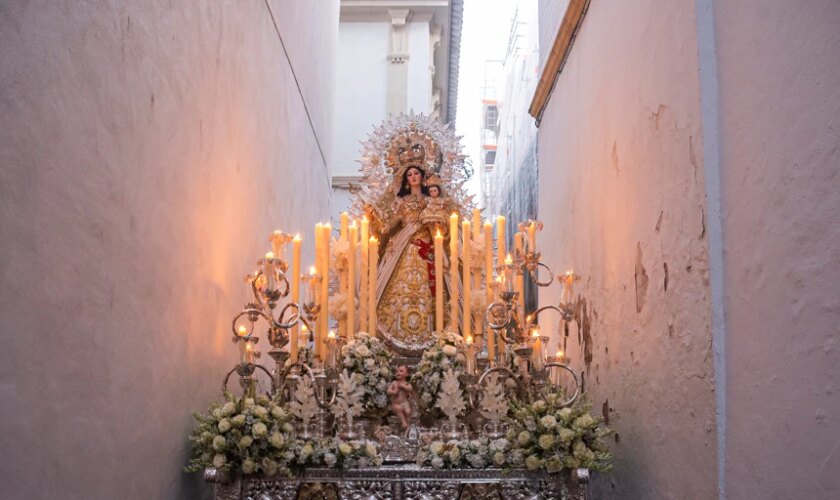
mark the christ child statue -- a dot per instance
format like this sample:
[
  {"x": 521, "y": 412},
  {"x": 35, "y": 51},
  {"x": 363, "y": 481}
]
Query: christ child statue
[
  {"x": 435, "y": 212},
  {"x": 401, "y": 393}
]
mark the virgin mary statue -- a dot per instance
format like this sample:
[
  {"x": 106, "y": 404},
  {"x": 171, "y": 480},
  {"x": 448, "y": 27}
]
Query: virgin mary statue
[{"x": 405, "y": 213}]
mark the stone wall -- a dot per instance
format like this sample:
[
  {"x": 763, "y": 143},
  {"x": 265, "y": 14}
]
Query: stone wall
[
  {"x": 147, "y": 150},
  {"x": 780, "y": 158},
  {"x": 621, "y": 187}
]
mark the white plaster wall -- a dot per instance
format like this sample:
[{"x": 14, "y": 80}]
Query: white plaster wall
[
  {"x": 419, "y": 63},
  {"x": 145, "y": 152},
  {"x": 361, "y": 89},
  {"x": 621, "y": 190},
  {"x": 780, "y": 152}
]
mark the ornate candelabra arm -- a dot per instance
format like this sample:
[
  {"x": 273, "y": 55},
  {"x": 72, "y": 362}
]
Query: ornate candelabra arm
[
  {"x": 574, "y": 397},
  {"x": 286, "y": 371},
  {"x": 519, "y": 383},
  {"x": 252, "y": 314},
  {"x": 494, "y": 310},
  {"x": 533, "y": 318},
  {"x": 285, "y": 324},
  {"x": 246, "y": 372},
  {"x": 534, "y": 272}
]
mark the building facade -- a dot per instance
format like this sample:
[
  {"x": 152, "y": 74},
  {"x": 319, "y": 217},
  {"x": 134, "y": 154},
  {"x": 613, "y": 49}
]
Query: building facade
[{"x": 393, "y": 57}]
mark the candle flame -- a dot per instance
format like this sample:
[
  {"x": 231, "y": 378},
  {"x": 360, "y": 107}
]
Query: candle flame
[
  {"x": 269, "y": 255},
  {"x": 304, "y": 328},
  {"x": 535, "y": 332},
  {"x": 469, "y": 340},
  {"x": 312, "y": 271},
  {"x": 508, "y": 260},
  {"x": 297, "y": 237},
  {"x": 365, "y": 219},
  {"x": 331, "y": 334},
  {"x": 241, "y": 331},
  {"x": 437, "y": 234}
]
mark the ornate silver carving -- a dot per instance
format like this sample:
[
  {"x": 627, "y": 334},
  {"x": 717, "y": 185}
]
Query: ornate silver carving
[
  {"x": 429, "y": 490},
  {"x": 406, "y": 481},
  {"x": 366, "y": 490}
]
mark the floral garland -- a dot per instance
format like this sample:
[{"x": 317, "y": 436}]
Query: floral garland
[
  {"x": 334, "y": 453},
  {"x": 553, "y": 437},
  {"x": 438, "y": 358},
  {"x": 369, "y": 362},
  {"x": 249, "y": 435},
  {"x": 476, "y": 453}
]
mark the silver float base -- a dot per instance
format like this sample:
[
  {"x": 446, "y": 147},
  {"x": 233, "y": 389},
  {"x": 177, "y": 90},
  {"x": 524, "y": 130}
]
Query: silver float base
[{"x": 407, "y": 481}]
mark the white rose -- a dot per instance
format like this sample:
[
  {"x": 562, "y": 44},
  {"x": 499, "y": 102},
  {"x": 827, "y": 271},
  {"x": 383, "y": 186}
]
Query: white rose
[
  {"x": 249, "y": 466},
  {"x": 245, "y": 441},
  {"x": 259, "y": 429},
  {"x": 330, "y": 459},
  {"x": 436, "y": 447},
  {"x": 219, "y": 460},
  {"x": 345, "y": 449},
  {"x": 369, "y": 363},
  {"x": 362, "y": 351},
  {"x": 437, "y": 462},
  {"x": 548, "y": 421},
  {"x": 261, "y": 411},
  {"x": 219, "y": 443},
  {"x": 450, "y": 350},
  {"x": 224, "y": 425},
  {"x": 370, "y": 450},
  {"x": 276, "y": 440},
  {"x": 229, "y": 408}
]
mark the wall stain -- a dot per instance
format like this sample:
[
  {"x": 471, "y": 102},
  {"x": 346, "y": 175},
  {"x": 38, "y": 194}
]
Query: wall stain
[
  {"x": 665, "y": 266},
  {"x": 659, "y": 221},
  {"x": 583, "y": 319},
  {"x": 702, "y": 223},
  {"x": 657, "y": 116},
  {"x": 605, "y": 411},
  {"x": 692, "y": 156},
  {"x": 614, "y": 158},
  {"x": 641, "y": 279}
]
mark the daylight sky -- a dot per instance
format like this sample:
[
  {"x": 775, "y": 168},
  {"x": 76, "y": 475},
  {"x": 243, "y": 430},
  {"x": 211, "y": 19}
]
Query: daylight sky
[{"x": 484, "y": 37}]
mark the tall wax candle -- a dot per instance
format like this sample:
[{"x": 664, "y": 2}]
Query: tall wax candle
[
  {"x": 373, "y": 256},
  {"x": 453, "y": 272},
  {"x": 532, "y": 236},
  {"x": 342, "y": 271},
  {"x": 500, "y": 240},
  {"x": 325, "y": 291},
  {"x": 488, "y": 284},
  {"x": 476, "y": 224},
  {"x": 466, "y": 278},
  {"x": 351, "y": 281},
  {"x": 319, "y": 263},
  {"x": 518, "y": 240},
  {"x": 268, "y": 271},
  {"x": 363, "y": 275},
  {"x": 293, "y": 341},
  {"x": 438, "y": 281},
  {"x": 344, "y": 220}
]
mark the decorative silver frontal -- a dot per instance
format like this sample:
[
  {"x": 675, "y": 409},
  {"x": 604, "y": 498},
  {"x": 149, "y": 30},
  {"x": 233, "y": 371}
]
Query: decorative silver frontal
[{"x": 406, "y": 482}]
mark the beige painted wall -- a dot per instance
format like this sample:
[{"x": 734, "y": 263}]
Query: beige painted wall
[
  {"x": 780, "y": 157},
  {"x": 146, "y": 150},
  {"x": 622, "y": 191}
]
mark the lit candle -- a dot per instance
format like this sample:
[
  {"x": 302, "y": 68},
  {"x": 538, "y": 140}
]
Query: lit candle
[
  {"x": 537, "y": 355},
  {"x": 363, "y": 275},
  {"x": 568, "y": 287},
  {"x": 466, "y": 256},
  {"x": 532, "y": 236},
  {"x": 321, "y": 332},
  {"x": 438, "y": 281},
  {"x": 351, "y": 281},
  {"x": 293, "y": 341},
  {"x": 268, "y": 271},
  {"x": 488, "y": 285},
  {"x": 476, "y": 224},
  {"x": 319, "y": 268},
  {"x": 342, "y": 232},
  {"x": 508, "y": 273},
  {"x": 500, "y": 240},
  {"x": 246, "y": 352},
  {"x": 373, "y": 256},
  {"x": 304, "y": 334},
  {"x": 241, "y": 331},
  {"x": 453, "y": 272},
  {"x": 470, "y": 355},
  {"x": 518, "y": 240},
  {"x": 331, "y": 348}
]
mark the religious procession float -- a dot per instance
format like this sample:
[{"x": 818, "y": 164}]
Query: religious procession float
[{"x": 404, "y": 362}]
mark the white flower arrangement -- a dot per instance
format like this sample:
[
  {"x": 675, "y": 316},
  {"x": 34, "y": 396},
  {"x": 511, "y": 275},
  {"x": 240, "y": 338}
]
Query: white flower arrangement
[
  {"x": 369, "y": 362},
  {"x": 475, "y": 453},
  {"x": 553, "y": 438},
  {"x": 334, "y": 453},
  {"x": 243, "y": 435},
  {"x": 438, "y": 358}
]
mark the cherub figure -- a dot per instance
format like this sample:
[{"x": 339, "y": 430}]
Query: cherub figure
[{"x": 401, "y": 393}]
